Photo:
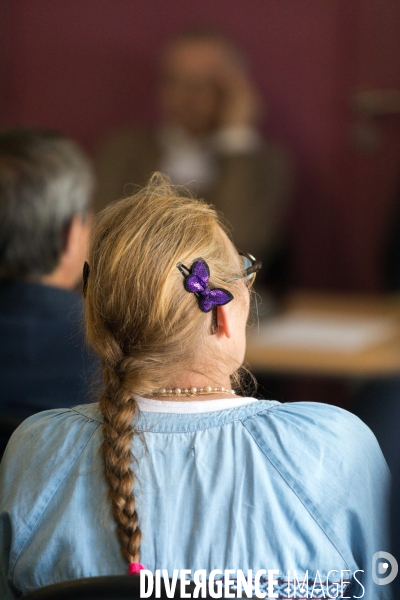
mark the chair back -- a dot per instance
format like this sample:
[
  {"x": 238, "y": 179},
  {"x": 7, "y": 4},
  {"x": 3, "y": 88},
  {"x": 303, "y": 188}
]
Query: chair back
[{"x": 115, "y": 587}]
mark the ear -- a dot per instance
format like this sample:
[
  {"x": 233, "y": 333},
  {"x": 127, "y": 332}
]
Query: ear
[
  {"x": 73, "y": 243},
  {"x": 225, "y": 321},
  {"x": 74, "y": 251}
]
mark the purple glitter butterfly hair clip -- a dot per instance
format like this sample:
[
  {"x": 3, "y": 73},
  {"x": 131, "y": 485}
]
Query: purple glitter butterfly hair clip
[{"x": 197, "y": 282}]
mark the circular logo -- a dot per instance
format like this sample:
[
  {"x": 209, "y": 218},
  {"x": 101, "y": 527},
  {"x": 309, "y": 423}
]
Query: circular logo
[{"x": 384, "y": 572}]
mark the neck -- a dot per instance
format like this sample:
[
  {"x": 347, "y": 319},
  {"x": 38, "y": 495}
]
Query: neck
[
  {"x": 59, "y": 278},
  {"x": 196, "y": 134},
  {"x": 189, "y": 380}
]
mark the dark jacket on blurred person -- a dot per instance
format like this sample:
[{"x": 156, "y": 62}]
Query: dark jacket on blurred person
[
  {"x": 43, "y": 359},
  {"x": 251, "y": 188},
  {"x": 45, "y": 188}
]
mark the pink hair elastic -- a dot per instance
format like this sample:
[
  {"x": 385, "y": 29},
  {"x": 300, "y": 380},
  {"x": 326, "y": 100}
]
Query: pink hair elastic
[{"x": 135, "y": 568}]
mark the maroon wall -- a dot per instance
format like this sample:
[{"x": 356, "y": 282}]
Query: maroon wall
[{"x": 86, "y": 67}]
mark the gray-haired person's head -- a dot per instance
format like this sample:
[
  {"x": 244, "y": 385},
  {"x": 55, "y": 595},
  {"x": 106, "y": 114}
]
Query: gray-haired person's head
[{"x": 45, "y": 181}]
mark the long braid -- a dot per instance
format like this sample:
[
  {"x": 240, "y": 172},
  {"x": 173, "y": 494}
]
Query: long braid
[
  {"x": 118, "y": 407},
  {"x": 141, "y": 321}
]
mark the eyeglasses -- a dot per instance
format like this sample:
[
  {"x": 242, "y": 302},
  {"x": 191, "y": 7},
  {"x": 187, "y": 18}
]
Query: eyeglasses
[{"x": 251, "y": 266}]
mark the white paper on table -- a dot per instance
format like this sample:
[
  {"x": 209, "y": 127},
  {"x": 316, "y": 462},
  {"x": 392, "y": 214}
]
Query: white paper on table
[{"x": 320, "y": 331}]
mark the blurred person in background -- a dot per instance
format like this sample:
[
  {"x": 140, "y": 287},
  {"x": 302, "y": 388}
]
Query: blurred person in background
[
  {"x": 207, "y": 139},
  {"x": 46, "y": 184}
]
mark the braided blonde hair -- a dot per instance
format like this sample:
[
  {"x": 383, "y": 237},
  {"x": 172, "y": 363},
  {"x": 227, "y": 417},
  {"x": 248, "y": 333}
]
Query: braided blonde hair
[{"x": 141, "y": 321}]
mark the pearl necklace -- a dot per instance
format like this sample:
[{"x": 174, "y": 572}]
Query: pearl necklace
[{"x": 193, "y": 391}]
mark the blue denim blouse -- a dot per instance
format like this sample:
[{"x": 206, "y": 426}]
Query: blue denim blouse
[{"x": 296, "y": 486}]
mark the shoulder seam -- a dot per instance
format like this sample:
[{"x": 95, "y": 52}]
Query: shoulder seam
[
  {"x": 276, "y": 467},
  {"x": 12, "y": 569},
  {"x": 82, "y": 414},
  {"x": 259, "y": 412}
]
